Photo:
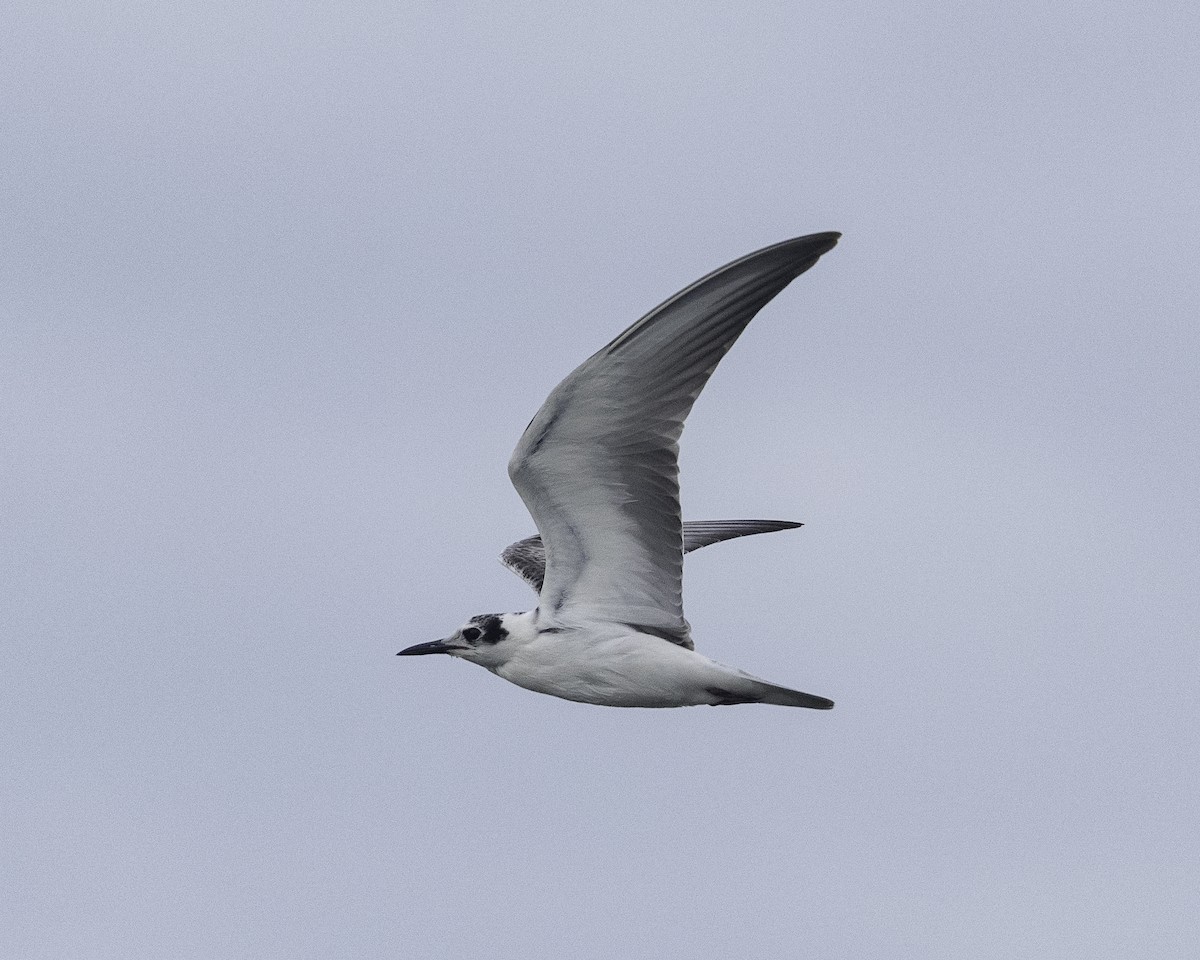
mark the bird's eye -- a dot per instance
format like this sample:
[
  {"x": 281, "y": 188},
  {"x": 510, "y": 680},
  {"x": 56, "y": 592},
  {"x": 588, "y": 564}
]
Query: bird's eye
[{"x": 471, "y": 634}]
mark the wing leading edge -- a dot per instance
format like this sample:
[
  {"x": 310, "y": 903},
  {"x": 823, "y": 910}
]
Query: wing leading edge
[{"x": 597, "y": 467}]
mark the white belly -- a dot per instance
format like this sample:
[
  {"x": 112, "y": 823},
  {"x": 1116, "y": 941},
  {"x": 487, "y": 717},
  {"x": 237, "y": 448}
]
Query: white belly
[{"x": 634, "y": 670}]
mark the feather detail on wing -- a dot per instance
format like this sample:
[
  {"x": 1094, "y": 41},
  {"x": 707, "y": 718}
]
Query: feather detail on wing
[
  {"x": 527, "y": 558},
  {"x": 598, "y": 465}
]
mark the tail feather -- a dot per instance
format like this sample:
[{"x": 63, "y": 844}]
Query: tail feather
[
  {"x": 793, "y": 698},
  {"x": 744, "y": 688}
]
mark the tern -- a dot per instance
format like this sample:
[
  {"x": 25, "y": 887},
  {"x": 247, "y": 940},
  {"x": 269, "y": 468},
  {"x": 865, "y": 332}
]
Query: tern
[{"x": 598, "y": 470}]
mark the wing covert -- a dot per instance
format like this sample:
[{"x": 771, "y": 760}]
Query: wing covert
[{"x": 597, "y": 467}]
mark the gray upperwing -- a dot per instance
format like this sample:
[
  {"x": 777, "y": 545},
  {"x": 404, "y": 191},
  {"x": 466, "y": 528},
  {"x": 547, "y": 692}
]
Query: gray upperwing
[
  {"x": 598, "y": 465},
  {"x": 527, "y": 558}
]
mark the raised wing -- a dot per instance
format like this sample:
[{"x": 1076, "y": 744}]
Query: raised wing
[
  {"x": 527, "y": 558},
  {"x": 598, "y": 465},
  {"x": 704, "y": 533}
]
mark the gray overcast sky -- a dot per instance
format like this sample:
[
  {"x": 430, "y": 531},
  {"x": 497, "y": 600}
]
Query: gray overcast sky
[{"x": 280, "y": 286}]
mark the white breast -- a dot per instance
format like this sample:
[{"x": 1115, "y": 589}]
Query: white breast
[{"x": 620, "y": 670}]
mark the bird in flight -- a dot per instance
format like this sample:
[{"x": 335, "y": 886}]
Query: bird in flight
[{"x": 598, "y": 469}]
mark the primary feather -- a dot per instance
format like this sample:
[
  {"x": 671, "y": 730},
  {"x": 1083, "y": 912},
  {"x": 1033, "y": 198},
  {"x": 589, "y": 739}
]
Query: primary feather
[{"x": 598, "y": 466}]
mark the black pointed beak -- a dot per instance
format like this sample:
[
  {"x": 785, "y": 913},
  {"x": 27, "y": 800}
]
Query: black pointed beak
[{"x": 437, "y": 646}]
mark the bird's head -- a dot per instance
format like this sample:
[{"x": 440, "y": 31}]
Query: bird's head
[{"x": 486, "y": 639}]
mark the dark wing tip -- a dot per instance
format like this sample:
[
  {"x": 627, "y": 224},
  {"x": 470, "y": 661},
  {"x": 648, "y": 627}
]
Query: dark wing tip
[
  {"x": 703, "y": 533},
  {"x": 812, "y": 244},
  {"x": 806, "y": 249},
  {"x": 797, "y": 255}
]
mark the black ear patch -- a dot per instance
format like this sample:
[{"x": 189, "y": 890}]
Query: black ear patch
[{"x": 489, "y": 623}]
